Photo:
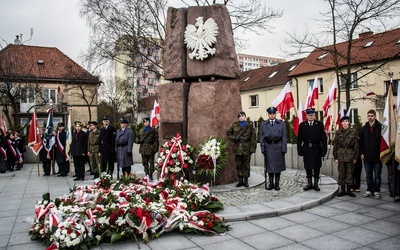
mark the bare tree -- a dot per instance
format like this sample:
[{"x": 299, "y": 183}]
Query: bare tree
[
  {"x": 125, "y": 24},
  {"x": 343, "y": 20}
]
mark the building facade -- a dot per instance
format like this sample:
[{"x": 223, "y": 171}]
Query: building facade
[{"x": 249, "y": 62}]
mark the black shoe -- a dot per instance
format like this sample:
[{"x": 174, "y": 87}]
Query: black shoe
[
  {"x": 82, "y": 179},
  {"x": 74, "y": 175},
  {"x": 77, "y": 179},
  {"x": 61, "y": 175},
  {"x": 2, "y": 172},
  {"x": 46, "y": 175}
]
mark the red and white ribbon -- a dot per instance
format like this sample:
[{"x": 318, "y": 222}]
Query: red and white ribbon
[{"x": 176, "y": 142}]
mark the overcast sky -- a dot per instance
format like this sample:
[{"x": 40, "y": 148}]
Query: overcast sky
[{"x": 57, "y": 23}]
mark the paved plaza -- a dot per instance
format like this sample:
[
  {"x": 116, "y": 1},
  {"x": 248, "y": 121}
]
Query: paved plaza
[{"x": 287, "y": 219}]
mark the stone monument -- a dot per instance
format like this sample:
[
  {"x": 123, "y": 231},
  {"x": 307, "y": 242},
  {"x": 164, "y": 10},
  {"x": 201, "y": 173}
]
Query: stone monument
[{"x": 203, "y": 98}]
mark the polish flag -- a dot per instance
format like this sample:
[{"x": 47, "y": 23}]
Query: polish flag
[
  {"x": 388, "y": 128},
  {"x": 340, "y": 115},
  {"x": 312, "y": 94},
  {"x": 330, "y": 98},
  {"x": 301, "y": 116},
  {"x": 35, "y": 138},
  {"x": 284, "y": 101},
  {"x": 155, "y": 114},
  {"x": 369, "y": 93},
  {"x": 328, "y": 122}
]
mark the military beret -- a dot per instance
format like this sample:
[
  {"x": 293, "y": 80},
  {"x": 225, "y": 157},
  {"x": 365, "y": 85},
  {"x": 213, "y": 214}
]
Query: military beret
[
  {"x": 271, "y": 110},
  {"x": 310, "y": 111},
  {"x": 344, "y": 118},
  {"x": 61, "y": 124},
  {"x": 146, "y": 119},
  {"x": 123, "y": 120},
  {"x": 241, "y": 113}
]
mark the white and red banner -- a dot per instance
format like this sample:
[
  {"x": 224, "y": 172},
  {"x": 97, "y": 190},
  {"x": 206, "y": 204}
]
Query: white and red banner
[
  {"x": 284, "y": 101},
  {"x": 312, "y": 94},
  {"x": 155, "y": 115},
  {"x": 388, "y": 128},
  {"x": 35, "y": 137},
  {"x": 301, "y": 117},
  {"x": 330, "y": 98}
]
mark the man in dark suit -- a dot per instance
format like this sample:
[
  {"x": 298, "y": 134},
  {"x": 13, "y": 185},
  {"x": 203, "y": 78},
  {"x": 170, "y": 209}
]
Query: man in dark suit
[
  {"x": 60, "y": 154},
  {"x": 312, "y": 145},
  {"x": 107, "y": 146},
  {"x": 79, "y": 151}
]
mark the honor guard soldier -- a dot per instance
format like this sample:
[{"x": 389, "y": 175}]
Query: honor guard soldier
[{"x": 273, "y": 141}]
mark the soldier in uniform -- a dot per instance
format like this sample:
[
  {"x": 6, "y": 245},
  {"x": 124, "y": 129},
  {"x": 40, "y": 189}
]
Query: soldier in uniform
[
  {"x": 124, "y": 142},
  {"x": 273, "y": 141},
  {"x": 148, "y": 140},
  {"x": 107, "y": 146},
  {"x": 93, "y": 148},
  {"x": 312, "y": 145},
  {"x": 61, "y": 156},
  {"x": 345, "y": 153},
  {"x": 242, "y": 134}
]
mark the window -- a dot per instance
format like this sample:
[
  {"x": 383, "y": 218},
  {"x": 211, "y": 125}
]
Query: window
[
  {"x": 319, "y": 115},
  {"x": 320, "y": 83},
  {"x": 27, "y": 95},
  {"x": 254, "y": 101},
  {"x": 369, "y": 44},
  {"x": 395, "y": 83},
  {"x": 323, "y": 55},
  {"x": 273, "y": 74},
  {"x": 292, "y": 68},
  {"x": 49, "y": 94},
  {"x": 353, "y": 82}
]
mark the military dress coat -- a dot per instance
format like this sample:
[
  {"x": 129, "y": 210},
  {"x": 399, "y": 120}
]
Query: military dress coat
[
  {"x": 148, "y": 141},
  {"x": 94, "y": 141},
  {"x": 273, "y": 142},
  {"x": 124, "y": 144},
  {"x": 312, "y": 144},
  {"x": 346, "y": 145},
  {"x": 107, "y": 144},
  {"x": 244, "y": 138}
]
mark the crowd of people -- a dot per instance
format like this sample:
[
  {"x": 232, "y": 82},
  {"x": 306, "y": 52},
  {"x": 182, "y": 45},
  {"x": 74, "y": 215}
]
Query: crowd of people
[
  {"x": 12, "y": 149},
  {"x": 352, "y": 151}
]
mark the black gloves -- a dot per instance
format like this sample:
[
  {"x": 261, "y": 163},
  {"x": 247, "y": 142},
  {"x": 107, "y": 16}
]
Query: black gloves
[{"x": 129, "y": 153}]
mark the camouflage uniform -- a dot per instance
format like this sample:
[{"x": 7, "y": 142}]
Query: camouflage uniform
[
  {"x": 245, "y": 142},
  {"x": 148, "y": 147},
  {"x": 346, "y": 152},
  {"x": 93, "y": 149}
]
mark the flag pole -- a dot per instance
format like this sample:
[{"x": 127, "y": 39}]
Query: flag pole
[
  {"x": 69, "y": 153},
  {"x": 37, "y": 162}
]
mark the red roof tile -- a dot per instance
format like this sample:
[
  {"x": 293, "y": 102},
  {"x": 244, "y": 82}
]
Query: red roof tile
[
  {"x": 385, "y": 46},
  {"x": 40, "y": 63},
  {"x": 260, "y": 78}
]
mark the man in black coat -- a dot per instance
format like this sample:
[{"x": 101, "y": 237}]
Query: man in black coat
[
  {"x": 79, "y": 151},
  {"x": 60, "y": 153},
  {"x": 107, "y": 146},
  {"x": 312, "y": 145}
]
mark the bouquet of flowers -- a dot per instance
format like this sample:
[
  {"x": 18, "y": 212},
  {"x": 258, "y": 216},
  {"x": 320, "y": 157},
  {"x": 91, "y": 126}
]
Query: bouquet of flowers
[
  {"x": 211, "y": 158},
  {"x": 174, "y": 158},
  {"x": 113, "y": 210}
]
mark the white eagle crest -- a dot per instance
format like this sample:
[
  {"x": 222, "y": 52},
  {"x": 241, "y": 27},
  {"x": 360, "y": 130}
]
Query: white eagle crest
[{"x": 200, "y": 37}]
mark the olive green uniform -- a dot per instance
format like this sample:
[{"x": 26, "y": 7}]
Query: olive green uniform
[
  {"x": 93, "y": 149},
  {"x": 148, "y": 147}
]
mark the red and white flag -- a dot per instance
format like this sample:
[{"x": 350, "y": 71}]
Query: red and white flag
[
  {"x": 312, "y": 94},
  {"x": 369, "y": 93},
  {"x": 155, "y": 114},
  {"x": 328, "y": 121},
  {"x": 35, "y": 138},
  {"x": 330, "y": 98},
  {"x": 301, "y": 116},
  {"x": 284, "y": 101},
  {"x": 340, "y": 115},
  {"x": 388, "y": 133}
]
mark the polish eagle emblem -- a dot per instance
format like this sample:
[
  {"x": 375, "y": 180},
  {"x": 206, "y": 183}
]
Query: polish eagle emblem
[{"x": 200, "y": 37}]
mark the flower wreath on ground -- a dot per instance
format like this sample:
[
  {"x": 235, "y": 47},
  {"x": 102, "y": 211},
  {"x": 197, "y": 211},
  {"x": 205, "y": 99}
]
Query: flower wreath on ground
[
  {"x": 211, "y": 158},
  {"x": 112, "y": 210},
  {"x": 175, "y": 159}
]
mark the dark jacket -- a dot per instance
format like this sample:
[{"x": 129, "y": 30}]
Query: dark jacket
[
  {"x": 79, "y": 143},
  {"x": 370, "y": 141},
  {"x": 59, "y": 147},
  {"x": 107, "y": 144},
  {"x": 312, "y": 144}
]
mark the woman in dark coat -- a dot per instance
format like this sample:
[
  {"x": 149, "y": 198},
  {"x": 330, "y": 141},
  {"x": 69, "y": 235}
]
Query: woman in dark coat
[{"x": 78, "y": 151}]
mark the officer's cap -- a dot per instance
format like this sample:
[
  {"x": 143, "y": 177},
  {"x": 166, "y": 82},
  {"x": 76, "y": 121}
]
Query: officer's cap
[
  {"x": 106, "y": 118},
  {"x": 123, "y": 120},
  {"x": 60, "y": 124},
  {"x": 92, "y": 123},
  {"x": 271, "y": 110},
  {"x": 344, "y": 118},
  {"x": 310, "y": 111}
]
